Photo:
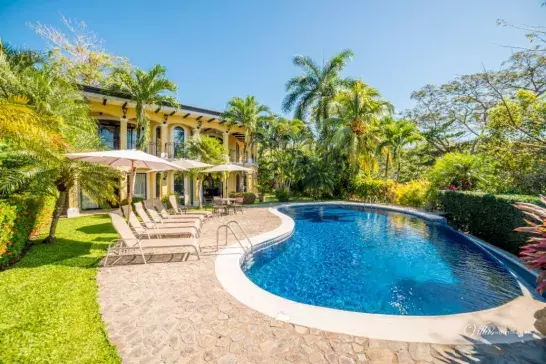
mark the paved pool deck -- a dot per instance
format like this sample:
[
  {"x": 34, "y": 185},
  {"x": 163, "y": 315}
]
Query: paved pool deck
[{"x": 174, "y": 310}]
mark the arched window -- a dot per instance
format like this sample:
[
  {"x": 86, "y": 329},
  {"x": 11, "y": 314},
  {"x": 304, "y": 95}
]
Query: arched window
[{"x": 179, "y": 137}]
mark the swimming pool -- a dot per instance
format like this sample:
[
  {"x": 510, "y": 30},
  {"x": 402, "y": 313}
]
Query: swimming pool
[{"x": 373, "y": 261}]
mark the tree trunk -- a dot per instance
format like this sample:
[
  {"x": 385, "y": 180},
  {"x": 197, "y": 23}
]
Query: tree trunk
[
  {"x": 387, "y": 166},
  {"x": 59, "y": 204},
  {"x": 398, "y": 169},
  {"x": 199, "y": 192}
]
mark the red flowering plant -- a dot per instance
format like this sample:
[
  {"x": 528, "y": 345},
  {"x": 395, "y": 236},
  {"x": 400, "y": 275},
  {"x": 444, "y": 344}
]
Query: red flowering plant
[{"x": 534, "y": 253}]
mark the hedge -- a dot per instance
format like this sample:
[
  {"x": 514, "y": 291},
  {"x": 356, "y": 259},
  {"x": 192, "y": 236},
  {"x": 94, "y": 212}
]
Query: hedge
[
  {"x": 489, "y": 217},
  {"x": 414, "y": 193},
  {"x": 22, "y": 218},
  {"x": 248, "y": 197}
]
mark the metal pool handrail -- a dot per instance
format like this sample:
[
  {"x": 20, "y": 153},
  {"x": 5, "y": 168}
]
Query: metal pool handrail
[{"x": 226, "y": 226}]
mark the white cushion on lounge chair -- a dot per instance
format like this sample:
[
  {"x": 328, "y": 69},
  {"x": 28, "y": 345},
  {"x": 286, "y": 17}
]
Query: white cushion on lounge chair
[
  {"x": 157, "y": 219},
  {"x": 131, "y": 241},
  {"x": 141, "y": 230}
]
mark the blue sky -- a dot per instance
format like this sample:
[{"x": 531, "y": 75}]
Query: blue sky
[{"x": 215, "y": 50}]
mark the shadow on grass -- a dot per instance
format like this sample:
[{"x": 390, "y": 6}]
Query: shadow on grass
[{"x": 76, "y": 246}]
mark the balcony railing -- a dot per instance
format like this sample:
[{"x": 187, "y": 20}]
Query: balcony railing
[
  {"x": 154, "y": 149},
  {"x": 175, "y": 150}
]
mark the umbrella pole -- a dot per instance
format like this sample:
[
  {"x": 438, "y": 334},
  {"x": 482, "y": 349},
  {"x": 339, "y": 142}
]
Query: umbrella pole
[{"x": 131, "y": 188}]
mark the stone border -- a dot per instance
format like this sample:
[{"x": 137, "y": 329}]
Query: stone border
[{"x": 511, "y": 322}]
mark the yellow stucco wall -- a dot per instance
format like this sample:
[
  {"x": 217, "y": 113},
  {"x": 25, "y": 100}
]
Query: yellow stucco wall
[{"x": 114, "y": 113}]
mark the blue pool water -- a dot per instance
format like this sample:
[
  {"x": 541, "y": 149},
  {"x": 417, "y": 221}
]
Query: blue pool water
[{"x": 374, "y": 261}]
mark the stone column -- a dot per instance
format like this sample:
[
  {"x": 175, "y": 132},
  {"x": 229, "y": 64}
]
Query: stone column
[
  {"x": 187, "y": 196},
  {"x": 123, "y": 133},
  {"x": 226, "y": 143},
  {"x": 150, "y": 193},
  {"x": 164, "y": 136}
]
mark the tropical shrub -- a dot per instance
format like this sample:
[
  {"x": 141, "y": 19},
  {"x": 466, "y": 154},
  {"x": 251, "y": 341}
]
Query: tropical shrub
[
  {"x": 462, "y": 171},
  {"x": 366, "y": 187},
  {"x": 492, "y": 218},
  {"x": 282, "y": 195},
  {"x": 21, "y": 219},
  {"x": 248, "y": 197},
  {"x": 534, "y": 253},
  {"x": 413, "y": 193}
]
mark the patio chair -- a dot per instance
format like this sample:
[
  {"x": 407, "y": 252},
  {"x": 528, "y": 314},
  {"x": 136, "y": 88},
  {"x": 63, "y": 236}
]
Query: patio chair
[
  {"x": 142, "y": 230},
  {"x": 218, "y": 206},
  {"x": 156, "y": 219},
  {"x": 129, "y": 244},
  {"x": 238, "y": 204},
  {"x": 184, "y": 210}
]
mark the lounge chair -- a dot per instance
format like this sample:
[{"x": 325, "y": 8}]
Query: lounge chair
[
  {"x": 159, "y": 222},
  {"x": 129, "y": 244},
  {"x": 158, "y": 207},
  {"x": 184, "y": 210},
  {"x": 142, "y": 230},
  {"x": 166, "y": 215}
]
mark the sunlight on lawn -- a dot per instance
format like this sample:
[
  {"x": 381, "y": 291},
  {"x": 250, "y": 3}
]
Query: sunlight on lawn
[{"x": 49, "y": 311}]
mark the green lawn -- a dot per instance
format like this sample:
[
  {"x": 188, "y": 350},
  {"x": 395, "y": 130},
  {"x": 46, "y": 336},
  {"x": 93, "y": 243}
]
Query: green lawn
[
  {"x": 270, "y": 198},
  {"x": 48, "y": 300}
]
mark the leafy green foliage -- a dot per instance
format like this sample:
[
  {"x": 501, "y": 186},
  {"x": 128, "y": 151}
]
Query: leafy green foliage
[
  {"x": 492, "y": 218},
  {"x": 462, "y": 171},
  {"x": 364, "y": 187},
  {"x": 22, "y": 218},
  {"x": 282, "y": 195},
  {"x": 315, "y": 90},
  {"x": 413, "y": 193},
  {"x": 248, "y": 113},
  {"x": 146, "y": 89},
  {"x": 49, "y": 311}
]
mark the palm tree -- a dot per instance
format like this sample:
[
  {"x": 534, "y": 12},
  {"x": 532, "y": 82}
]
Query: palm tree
[
  {"x": 146, "y": 89},
  {"x": 207, "y": 150},
  {"x": 315, "y": 89},
  {"x": 359, "y": 110},
  {"x": 250, "y": 115},
  {"x": 43, "y": 116},
  {"x": 397, "y": 135}
]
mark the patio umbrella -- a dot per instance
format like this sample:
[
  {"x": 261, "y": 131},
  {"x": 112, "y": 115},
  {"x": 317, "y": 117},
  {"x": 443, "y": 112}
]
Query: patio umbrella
[
  {"x": 131, "y": 159},
  {"x": 226, "y": 168},
  {"x": 190, "y": 163}
]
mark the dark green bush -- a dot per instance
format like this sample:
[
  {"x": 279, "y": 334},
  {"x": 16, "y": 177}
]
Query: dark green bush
[
  {"x": 282, "y": 195},
  {"x": 248, "y": 197},
  {"x": 21, "y": 219},
  {"x": 489, "y": 217}
]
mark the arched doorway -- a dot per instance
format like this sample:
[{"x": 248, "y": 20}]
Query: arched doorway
[{"x": 212, "y": 186}]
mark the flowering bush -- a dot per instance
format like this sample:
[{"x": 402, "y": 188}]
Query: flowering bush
[
  {"x": 534, "y": 253},
  {"x": 22, "y": 218},
  {"x": 413, "y": 193}
]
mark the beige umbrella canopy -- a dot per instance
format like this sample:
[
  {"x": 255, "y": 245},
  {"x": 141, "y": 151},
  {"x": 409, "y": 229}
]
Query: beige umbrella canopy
[
  {"x": 190, "y": 163},
  {"x": 131, "y": 159},
  {"x": 226, "y": 168}
]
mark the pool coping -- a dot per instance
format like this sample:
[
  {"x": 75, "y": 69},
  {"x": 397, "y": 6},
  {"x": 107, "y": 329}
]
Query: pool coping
[{"x": 508, "y": 323}]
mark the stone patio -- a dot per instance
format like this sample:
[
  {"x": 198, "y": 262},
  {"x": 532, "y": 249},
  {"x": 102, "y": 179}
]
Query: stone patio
[{"x": 175, "y": 311}]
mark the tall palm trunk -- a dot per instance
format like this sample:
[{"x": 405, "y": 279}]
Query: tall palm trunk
[
  {"x": 59, "y": 205},
  {"x": 387, "y": 165}
]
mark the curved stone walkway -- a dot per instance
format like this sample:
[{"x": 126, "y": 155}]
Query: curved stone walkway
[{"x": 176, "y": 311}]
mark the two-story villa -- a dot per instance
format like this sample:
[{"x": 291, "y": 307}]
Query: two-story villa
[{"x": 170, "y": 129}]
